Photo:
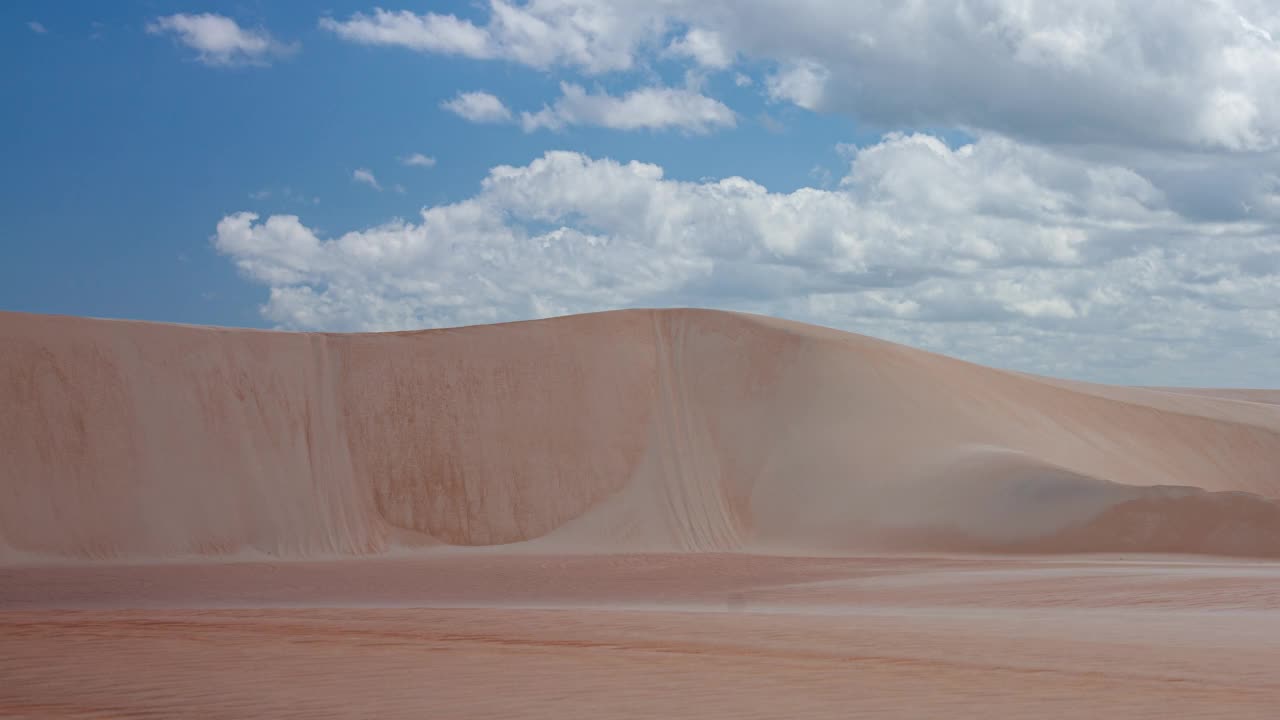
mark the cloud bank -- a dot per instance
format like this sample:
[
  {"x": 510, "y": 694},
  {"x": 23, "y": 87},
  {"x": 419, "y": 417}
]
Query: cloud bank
[
  {"x": 1116, "y": 216},
  {"x": 998, "y": 251},
  {"x": 1191, "y": 73}
]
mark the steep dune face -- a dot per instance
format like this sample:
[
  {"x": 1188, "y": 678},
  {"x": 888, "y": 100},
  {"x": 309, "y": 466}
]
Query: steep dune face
[
  {"x": 496, "y": 434},
  {"x": 625, "y": 431},
  {"x": 128, "y": 438}
]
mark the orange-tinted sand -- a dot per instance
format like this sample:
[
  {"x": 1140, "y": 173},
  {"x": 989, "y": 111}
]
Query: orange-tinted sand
[{"x": 633, "y": 514}]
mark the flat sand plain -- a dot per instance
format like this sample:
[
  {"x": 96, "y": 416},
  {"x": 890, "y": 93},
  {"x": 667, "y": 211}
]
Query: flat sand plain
[{"x": 478, "y": 634}]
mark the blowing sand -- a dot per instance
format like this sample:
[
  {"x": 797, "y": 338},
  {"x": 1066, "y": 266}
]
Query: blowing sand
[{"x": 633, "y": 514}]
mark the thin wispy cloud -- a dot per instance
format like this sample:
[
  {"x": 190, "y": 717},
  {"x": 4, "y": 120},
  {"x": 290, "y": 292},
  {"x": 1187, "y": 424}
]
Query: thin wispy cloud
[
  {"x": 596, "y": 37},
  {"x": 651, "y": 108},
  {"x": 37, "y": 27},
  {"x": 284, "y": 195},
  {"x": 366, "y": 177},
  {"x": 220, "y": 41},
  {"x": 478, "y": 107},
  {"x": 418, "y": 160}
]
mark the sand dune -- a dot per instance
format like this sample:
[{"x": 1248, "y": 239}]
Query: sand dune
[
  {"x": 629, "y": 514},
  {"x": 663, "y": 431}
]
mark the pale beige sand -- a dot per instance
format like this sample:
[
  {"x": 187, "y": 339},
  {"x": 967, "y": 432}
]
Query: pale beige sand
[
  {"x": 636, "y": 431},
  {"x": 714, "y": 636}
]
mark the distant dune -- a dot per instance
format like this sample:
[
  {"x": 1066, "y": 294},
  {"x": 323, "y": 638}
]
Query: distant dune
[{"x": 632, "y": 431}]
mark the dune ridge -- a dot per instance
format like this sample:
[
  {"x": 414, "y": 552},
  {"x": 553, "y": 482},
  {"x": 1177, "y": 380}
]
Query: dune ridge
[{"x": 627, "y": 431}]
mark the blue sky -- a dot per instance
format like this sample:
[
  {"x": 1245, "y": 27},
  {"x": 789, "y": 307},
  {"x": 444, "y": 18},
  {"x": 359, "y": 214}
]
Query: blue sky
[
  {"x": 126, "y": 150},
  {"x": 1050, "y": 189}
]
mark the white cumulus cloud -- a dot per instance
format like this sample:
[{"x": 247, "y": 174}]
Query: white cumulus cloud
[
  {"x": 802, "y": 82},
  {"x": 1116, "y": 212},
  {"x": 705, "y": 47},
  {"x": 1199, "y": 74},
  {"x": 998, "y": 251}
]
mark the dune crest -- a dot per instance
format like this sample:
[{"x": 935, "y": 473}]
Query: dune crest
[{"x": 678, "y": 430}]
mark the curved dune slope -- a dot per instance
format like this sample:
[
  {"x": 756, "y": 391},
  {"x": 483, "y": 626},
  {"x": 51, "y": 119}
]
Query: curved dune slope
[{"x": 627, "y": 431}]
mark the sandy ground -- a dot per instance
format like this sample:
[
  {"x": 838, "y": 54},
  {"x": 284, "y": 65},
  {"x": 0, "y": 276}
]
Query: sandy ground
[
  {"x": 674, "y": 513},
  {"x": 485, "y": 635}
]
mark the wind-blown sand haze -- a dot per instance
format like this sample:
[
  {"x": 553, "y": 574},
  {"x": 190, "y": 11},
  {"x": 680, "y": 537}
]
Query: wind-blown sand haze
[{"x": 633, "y": 513}]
